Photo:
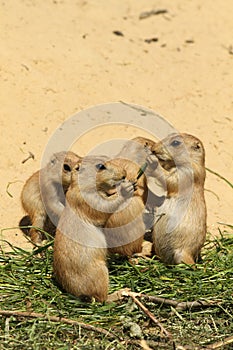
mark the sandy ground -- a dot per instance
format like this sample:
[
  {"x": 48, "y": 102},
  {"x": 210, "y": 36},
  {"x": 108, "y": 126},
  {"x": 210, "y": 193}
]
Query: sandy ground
[{"x": 60, "y": 57}]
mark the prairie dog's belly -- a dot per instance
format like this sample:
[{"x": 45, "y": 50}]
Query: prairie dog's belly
[{"x": 180, "y": 226}]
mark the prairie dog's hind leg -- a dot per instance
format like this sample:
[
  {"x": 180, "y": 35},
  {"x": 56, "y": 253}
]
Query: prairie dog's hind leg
[
  {"x": 38, "y": 220},
  {"x": 181, "y": 256}
]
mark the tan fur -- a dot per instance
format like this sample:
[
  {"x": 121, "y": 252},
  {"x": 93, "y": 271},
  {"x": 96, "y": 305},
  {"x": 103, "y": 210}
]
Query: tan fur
[
  {"x": 136, "y": 150},
  {"x": 180, "y": 232},
  {"x": 80, "y": 245},
  {"x": 145, "y": 142},
  {"x": 125, "y": 229},
  {"x": 58, "y": 170}
]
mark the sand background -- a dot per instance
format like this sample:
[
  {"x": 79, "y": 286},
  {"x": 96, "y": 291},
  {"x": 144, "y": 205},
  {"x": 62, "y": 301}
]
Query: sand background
[{"x": 60, "y": 57}]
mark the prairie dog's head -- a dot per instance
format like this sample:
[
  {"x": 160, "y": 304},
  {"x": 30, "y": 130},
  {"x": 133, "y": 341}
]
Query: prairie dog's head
[
  {"x": 100, "y": 173},
  {"x": 136, "y": 150},
  {"x": 62, "y": 164},
  {"x": 179, "y": 149},
  {"x": 145, "y": 142},
  {"x": 71, "y": 162}
]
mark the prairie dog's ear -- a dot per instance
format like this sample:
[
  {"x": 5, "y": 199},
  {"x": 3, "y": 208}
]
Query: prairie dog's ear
[
  {"x": 77, "y": 167},
  {"x": 57, "y": 158},
  {"x": 196, "y": 146},
  {"x": 53, "y": 160}
]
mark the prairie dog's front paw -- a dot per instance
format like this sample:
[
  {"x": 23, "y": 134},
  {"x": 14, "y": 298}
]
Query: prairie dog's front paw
[
  {"x": 127, "y": 189},
  {"x": 152, "y": 161}
]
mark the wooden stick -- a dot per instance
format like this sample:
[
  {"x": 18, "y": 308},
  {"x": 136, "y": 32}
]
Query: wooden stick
[
  {"x": 31, "y": 155},
  {"x": 56, "y": 319},
  {"x": 149, "y": 314},
  {"x": 146, "y": 14},
  {"x": 180, "y": 305},
  {"x": 221, "y": 343}
]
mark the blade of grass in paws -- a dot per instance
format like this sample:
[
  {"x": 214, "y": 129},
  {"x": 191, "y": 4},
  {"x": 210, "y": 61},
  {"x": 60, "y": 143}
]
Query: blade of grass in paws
[{"x": 142, "y": 170}]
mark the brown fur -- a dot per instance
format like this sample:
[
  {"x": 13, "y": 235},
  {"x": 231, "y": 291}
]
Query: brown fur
[
  {"x": 80, "y": 245},
  {"x": 136, "y": 150},
  {"x": 125, "y": 229},
  {"x": 52, "y": 175},
  {"x": 145, "y": 142},
  {"x": 180, "y": 232}
]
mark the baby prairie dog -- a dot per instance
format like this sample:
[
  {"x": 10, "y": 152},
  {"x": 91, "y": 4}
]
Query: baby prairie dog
[
  {"x": 79, "y": 262},
  {"x": 145, "y": 142},
  {"x": 124, "y": 230},
  {"x": 136, "y": 150},
  {"x": 155, "y": 196},
  {"x": 44, "y": 191},
  {"x": 180, "y": 230}
]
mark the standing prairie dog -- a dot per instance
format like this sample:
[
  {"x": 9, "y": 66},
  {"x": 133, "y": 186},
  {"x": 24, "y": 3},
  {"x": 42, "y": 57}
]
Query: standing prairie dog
[
  {"x": 124, "y": 230},
  {"x": 179, "y": 233},
  {"x": 44, "y": 191},
  {"x": 96, "y": 190}
]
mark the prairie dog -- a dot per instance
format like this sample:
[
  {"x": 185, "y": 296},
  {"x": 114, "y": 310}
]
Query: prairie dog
[
  {"x": 145, "y": 142},
  {"x": 124, "y": 230},
  {"x": 136, "y": 150},
  {"x": 179, "y": 234},
  {"x": 96, "y": 190},
  {"x": 52, "y": 181}
]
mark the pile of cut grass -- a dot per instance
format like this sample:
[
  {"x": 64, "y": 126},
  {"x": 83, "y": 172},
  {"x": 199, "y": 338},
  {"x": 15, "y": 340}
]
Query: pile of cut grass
[{"x": 27, "y": 285}]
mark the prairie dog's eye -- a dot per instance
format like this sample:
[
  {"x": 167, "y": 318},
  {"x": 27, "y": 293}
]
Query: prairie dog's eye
[
  {"x": 175, "y": 143},
  {"x": 100, "y": 166},
  {"x": 66, "y": 167},
  {"x": 53, "y": 161}
]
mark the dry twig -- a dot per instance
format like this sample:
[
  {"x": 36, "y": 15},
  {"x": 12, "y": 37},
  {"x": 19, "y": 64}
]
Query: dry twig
[
  {"x": 221, "y": 343},
  {"x": 180, "y": 305},
  {"x": 30, "y": 156},
  {"x": 148, "y": 313},
  {"x": 147, "y": 14},
  {"x": 56, "y": 319}
]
